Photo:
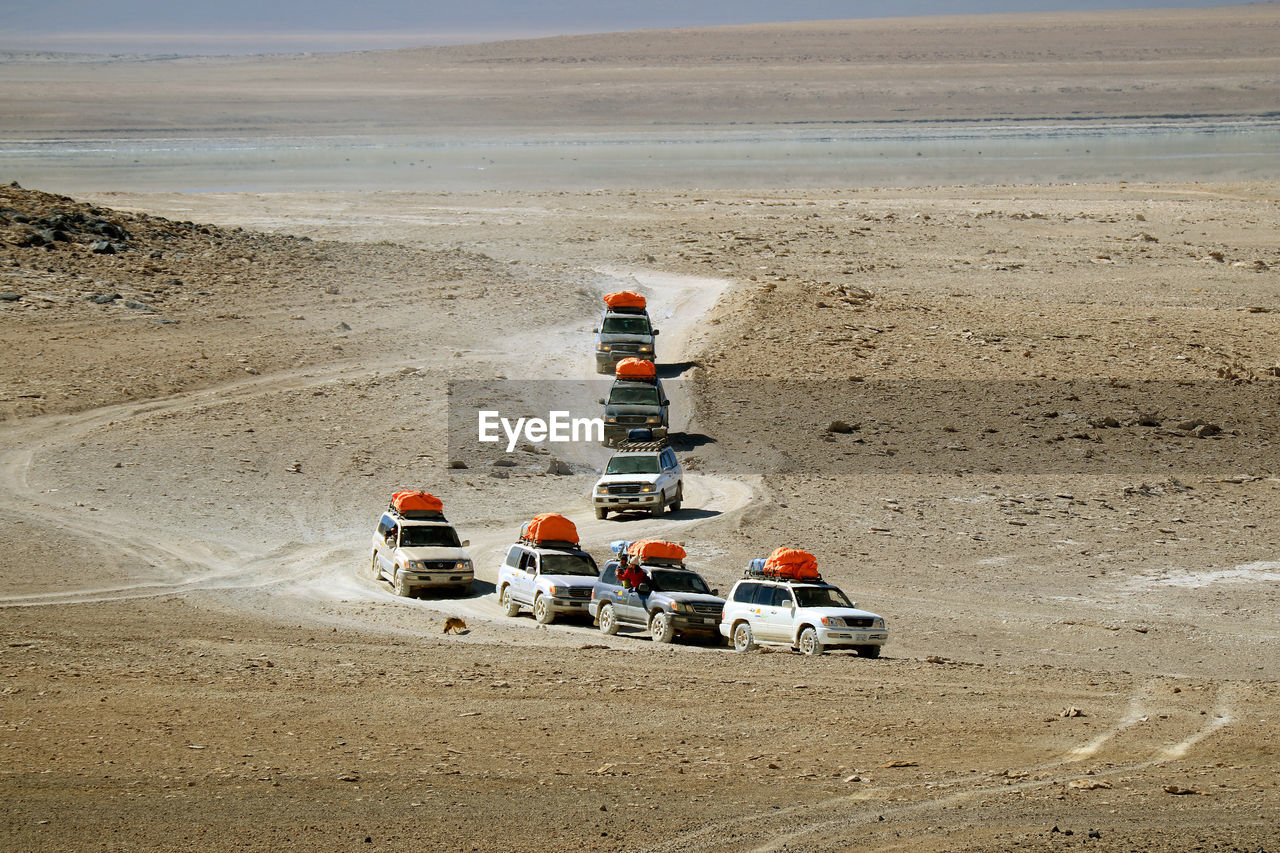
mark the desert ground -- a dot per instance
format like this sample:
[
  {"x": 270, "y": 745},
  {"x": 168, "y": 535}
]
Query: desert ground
[{"x": 1031, "y": 425}]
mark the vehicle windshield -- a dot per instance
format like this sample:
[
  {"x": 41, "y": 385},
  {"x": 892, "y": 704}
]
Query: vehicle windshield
[
  {"x": 632, "y": 465},
  {"x": 625, "y": 325},
  {"x": 568, "y": 564},
  {"x": 631, "y": 395},
  {"x": 433, "y": 536},
  {"x": 821, "y": 596},
  {"x": 669, "y": 581}
]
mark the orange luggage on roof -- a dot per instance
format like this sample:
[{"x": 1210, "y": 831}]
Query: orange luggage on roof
[
  {"x": 656, "y": 549},
  {"x": 407, "y": 500},
  {"x": 624, "y": 299},
  {"x": 792, "y": 563},
  {"x": 550, "y": 527},
  {"x": 636, "y": 368}
]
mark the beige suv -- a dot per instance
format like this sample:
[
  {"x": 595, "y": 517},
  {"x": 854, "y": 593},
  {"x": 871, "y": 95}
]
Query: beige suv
[{"x": 417, "y": 554}]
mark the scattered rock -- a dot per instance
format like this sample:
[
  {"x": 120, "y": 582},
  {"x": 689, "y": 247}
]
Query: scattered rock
[
  {"x": 1089, "y": 784},
  {"x": 1178, "y": 790},
  {"x": 842, "y": 427},
  {"x": 504, "y": 463},
  {"x": 137, "y": 306},
  {"x": 104, "y": 298},
  {"x": 10, "y": 296},
  {"x": 103, "y": 247},
  {"x": 349, "y": 777},
  {"x": 558, "y": 467},
  {"x": 1072, "y": 712},
  {"x": 457, "y": 464}
]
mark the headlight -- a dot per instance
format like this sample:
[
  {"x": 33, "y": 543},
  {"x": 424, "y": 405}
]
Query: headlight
[
  {"x": 646, "y": 489},
  {"x": 829, "y": 621},
  {"x": 404, "y": 562},
  {"x": 645, "y": 349},
  {"x": 555, "y": 590},
  {"x": 878, "y": 622},
  {"x": 676, "y": 605},
  {"x": 602, "y": 347},
  {"x": 611, "y": 419},
  {"x": 653, "y": 419},
  {"x": 602, "y": 490},
  {"x": 462, "y": 565}
]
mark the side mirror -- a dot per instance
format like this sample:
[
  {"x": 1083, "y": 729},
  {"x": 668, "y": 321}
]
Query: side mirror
[
  {"x": 655, "y": 331},
  {"x": 666, "y": 402},
  {"x": 643, "y": 589},
  {"x": 595, "y": 331},
  {"x": 601, "y": 401},
  {"x": 466, "y": 543},
  {"x": 715, "y": 592}
]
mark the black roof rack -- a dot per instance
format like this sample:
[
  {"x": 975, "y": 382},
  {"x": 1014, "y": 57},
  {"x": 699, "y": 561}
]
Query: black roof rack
[
  {"x": 418, "y": 514},
  {"x": 626, "y": 309}
]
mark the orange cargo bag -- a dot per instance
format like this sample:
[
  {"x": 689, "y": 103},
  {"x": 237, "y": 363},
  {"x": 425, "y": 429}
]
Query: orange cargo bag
[
  {"x": 792, "y": 563},
  {"x": 624, "y": 299},
  {"x": 636, "y": 368},
  {"x": 407, "y": 500},
  {"x": 656, "y": 549},
  {"x": 550, "y": 527}
]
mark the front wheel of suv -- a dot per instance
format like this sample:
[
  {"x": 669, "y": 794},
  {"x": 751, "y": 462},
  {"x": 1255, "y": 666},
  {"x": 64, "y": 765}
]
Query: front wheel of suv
[
  {"x": 809, "y": 643},
  {"x": 602, "y": 513},
  {"x": 661, "y": 628},
  {"x": 742, "y": 639},
  {"x": 507, "y": 603},
  {"x": 373, "y": 571},
  {"x": 401, "y": 588},
  {"x": 542, "y": 611},
  {"x": 660, "y": 507},
  {"x": 608, "y": 624}
]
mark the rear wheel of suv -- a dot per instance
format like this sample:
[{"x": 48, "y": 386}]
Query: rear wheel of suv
[
  {"x": 809, "y": 642},
  {"x": 601, "y": 512},
  {"x": 507, "y": 604},
  {"x": 675, "y": 504},
  {"x": 868, "y": 651},
  {"x": 608, "y": 624},
  {"x": 661, "y": 628},
  {"x": 542, "y": 611},
  {"x": 742, "y": 639}
]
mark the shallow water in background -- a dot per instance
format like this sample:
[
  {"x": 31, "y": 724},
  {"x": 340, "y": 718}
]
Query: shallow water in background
[{"x": 733, "y": 158}]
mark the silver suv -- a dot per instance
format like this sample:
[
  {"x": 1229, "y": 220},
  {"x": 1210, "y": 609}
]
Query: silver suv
[
  {"x": 623, "y": 333},
  {"x": 416, "y": 554},
  {"x": 548, "y": 580},
  {"x": 810, "y": 616}
]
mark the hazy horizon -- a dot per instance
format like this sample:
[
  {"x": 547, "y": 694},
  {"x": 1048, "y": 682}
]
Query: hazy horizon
[{"x": 158, "y": 27}]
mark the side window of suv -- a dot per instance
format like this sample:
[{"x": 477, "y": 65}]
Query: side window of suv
[
  {"x": 610, "y": 573},
  {"x": 528, "y": 562},
  {"x": 764, "y": 595},
  {"x": 513, "y": 556},
  {"x": 384, "y": 524},
  {"x": 781, "y": 597},
  {"x": 745, "y": 592}
]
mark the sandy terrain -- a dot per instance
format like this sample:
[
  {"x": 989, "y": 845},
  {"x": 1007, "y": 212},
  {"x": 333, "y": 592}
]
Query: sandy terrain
[{"x": 1080, "y": 578}]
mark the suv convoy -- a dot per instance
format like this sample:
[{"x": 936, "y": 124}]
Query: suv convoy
[
  {"x": 666, "y": 599},
  {"x": 640, "y": 475},
  {"x": 415, "y": 547},
  {"x": 546, "y": 571},
  {"x": 784, "y": 600},
  {"x": 624, "y": 331},
  {"x": 636, "y": 400}
]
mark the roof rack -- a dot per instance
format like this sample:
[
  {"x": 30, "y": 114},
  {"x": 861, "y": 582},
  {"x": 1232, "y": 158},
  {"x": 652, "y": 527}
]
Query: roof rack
[
  {"x": 755, "y": 569},
  {"x": 555, "y": 544},
  {"x": 626, "y": 309},
  {"x": 417, "y": 514},
  {"x": 640, "y": 447}
]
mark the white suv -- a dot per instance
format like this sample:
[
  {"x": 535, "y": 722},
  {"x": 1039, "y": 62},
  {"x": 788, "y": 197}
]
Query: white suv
[
  {"x": 811, "y": 616},
  {"x": 640, "y": 476},
  {"x": 547, "y": 580},
  {"x": 420, "y": 553}
]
